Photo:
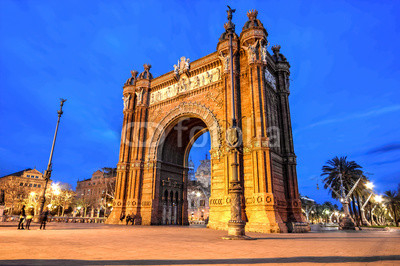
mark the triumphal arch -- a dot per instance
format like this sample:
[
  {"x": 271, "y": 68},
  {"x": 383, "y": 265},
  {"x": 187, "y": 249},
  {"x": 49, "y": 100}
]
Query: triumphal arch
[{"x": 163, "y": 117}]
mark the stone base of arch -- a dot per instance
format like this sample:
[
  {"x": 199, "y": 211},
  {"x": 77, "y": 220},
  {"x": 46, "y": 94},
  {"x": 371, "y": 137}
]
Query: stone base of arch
[{"x": 114, "y": 217}]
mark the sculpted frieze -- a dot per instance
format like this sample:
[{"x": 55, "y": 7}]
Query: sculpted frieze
[{"x": 186, "y": 84}]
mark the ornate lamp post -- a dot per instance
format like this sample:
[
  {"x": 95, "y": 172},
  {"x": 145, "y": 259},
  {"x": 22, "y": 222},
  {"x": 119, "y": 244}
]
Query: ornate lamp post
[
  {"x": 236, "y": 226},
  {"x": 47, "y": 173}
]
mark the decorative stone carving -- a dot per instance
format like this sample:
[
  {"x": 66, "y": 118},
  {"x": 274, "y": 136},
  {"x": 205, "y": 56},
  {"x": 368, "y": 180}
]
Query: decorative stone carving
[
  {"x": 264, "y": 53},
  {"x": 182, "y": 66},
  {"x": 233, "y": 137},
  {"x": 139, "y": 94},
  {"x": 251, "y": 52},
  {"x": 186, "y": 84},
  {"x": 183, "y": 109},
  {"x": 225, "y": 62},
  {"x": 126, "y": 101}
]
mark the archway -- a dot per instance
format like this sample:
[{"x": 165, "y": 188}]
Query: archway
[
  {"x": 152, "y": 165},
  {"x": 173, "y": 154},
  {"x": 199, "y": 181}
]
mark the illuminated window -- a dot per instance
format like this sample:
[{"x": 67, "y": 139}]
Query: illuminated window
[{"x": 202, "y": 203}]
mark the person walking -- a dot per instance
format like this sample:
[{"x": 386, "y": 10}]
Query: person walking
[
  {"x": 29, "y": 219},
  {"x": 21, "y": 218},
  {"x": 44, "y": 219},
  {"x": 128, "y": 219}
]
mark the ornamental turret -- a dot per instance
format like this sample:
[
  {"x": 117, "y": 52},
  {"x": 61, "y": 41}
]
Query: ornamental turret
[{"x": 253, "y": 39}]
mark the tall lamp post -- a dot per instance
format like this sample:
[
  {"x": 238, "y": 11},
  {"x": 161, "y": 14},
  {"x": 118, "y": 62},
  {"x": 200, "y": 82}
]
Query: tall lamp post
[
  {"x": 47, "y": 173},
  {"x": 236, "y": 226},
  {"x": 364, "y": 220}
]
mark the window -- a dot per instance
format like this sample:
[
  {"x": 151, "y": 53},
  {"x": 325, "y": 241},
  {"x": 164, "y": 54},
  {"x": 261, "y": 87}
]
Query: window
[
  {"x": 202, "y": 203},
  {"x": 34, "y": 185},
  {"x": 37, "y": 176},
  {"x": 28, "y": 176},
  {"x": 26, "y": 184},
  {"x": 21, "y": 184},
  {"x": 30, "y": 185},
  {"x": 193, "y": 204},
  {"x": 39, "y": 185}
]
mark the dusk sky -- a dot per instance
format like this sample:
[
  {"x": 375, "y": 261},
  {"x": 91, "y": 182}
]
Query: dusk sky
[{"x": 345, "y": 77}]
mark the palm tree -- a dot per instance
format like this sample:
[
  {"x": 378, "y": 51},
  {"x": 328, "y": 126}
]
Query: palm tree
[
  {"x": 338, "y": 172},
  {"x": 393, "y": 200}
]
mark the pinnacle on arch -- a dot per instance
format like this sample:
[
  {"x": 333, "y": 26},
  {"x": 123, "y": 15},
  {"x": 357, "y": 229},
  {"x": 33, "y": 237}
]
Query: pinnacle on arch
[{"x": 146, "y": 73}]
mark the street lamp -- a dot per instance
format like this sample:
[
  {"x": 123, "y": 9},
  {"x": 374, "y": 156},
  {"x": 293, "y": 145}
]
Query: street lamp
[
  {"x": 378, "y": 198},
  {"x": 236, "y": 226},
  {"x": 364, "y": 221},
  {"x": 47, "y": 173},
  {"x": 369, "y": 185}
]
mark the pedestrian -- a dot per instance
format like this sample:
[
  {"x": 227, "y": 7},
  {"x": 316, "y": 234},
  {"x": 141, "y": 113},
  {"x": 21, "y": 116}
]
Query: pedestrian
[
  {"x": 21, "y": 218},
  {"x": 44, "y": 219},
  {"x": 128, "y": 219},
  {"x": 122, "y": 216},
  {"x": 29, "y": 219}
]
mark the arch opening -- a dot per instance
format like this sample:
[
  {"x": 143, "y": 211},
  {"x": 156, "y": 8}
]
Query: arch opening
[{"x": 173, "y": 155}]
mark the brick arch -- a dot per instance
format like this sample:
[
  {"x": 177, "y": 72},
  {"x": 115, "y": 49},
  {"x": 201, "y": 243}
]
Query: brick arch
[{"x": 186, "y": 109}]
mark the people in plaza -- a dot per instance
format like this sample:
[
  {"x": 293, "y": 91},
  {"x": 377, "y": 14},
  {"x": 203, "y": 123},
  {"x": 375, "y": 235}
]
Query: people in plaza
[
  {"x": 128, "y": 219},
  {"x": 21, "y": 218},
  {"x": 29, "y": 217},
  {"x": 43, "y": 219},
  {"x": 121, "y": 218}
]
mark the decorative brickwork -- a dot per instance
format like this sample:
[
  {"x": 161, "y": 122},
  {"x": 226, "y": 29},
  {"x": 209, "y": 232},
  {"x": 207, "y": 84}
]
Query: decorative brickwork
[{"x": 165, "y": 115}]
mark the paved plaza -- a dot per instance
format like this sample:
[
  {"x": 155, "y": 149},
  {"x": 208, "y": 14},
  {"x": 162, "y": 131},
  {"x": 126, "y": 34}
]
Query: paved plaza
[{"x": 98, "y": 244}]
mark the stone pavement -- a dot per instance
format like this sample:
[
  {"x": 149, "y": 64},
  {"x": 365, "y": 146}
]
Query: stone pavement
[{"x": 98, "y": 244}]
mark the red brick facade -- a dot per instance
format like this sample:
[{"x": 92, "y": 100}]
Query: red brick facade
[{"x": 165, "y": 115}]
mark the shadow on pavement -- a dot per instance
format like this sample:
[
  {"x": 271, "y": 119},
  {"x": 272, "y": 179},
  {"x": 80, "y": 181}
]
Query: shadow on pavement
[{"x": 328, "y": 259}]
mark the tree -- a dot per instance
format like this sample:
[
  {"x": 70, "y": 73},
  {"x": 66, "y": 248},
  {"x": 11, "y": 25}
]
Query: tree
[
  {"x": 393, "y": 201},
  {"x": 14, "y": 193},
  {"x": 337, "y": 171},
  {"x": 107, "y": 197},
  {"x": 84, "y": 202}
]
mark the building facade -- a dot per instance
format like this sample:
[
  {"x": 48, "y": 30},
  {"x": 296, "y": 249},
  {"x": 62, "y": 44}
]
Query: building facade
[
  {"x": 94, "y": 195},
  {"x": 199, "y": 190},
  {"x": 163, "y": 117},
  {"x": 22, "y": 188}
]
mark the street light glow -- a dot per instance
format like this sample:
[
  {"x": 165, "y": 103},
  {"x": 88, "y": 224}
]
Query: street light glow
[
  {"x": 378, "y": 198},
  {"x": 369, "y": 185}
]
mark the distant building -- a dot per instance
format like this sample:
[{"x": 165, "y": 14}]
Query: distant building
[
  {"x": 22, "y": 188},
  {"x": 199, "y": 192},
  {"x": 94, "y": 195}
]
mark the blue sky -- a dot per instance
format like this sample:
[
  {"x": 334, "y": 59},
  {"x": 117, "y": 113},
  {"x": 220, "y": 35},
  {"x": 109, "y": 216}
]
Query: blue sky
[{"x": 344, "y": 77}]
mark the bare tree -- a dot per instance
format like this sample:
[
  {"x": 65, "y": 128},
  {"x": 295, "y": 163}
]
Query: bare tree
[
  {"x": 15, "y": 194},
  {"x": 85, "y": 203},
  {"x": 107, "y": 196}
]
